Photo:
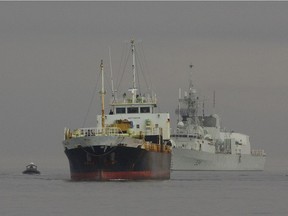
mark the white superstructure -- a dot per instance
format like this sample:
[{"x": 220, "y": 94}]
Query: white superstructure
[
  {"x": 200, "y": 143},
  {"x": 135, "y": 114},
  {"x": 131, "y": 116}
]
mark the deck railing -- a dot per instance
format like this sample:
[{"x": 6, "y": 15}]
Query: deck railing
[
  {"x": 88, "y": 132},
  {"x": 107, "y": 131}
]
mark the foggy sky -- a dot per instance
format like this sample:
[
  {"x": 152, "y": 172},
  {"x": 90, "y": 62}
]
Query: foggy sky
[{"x": 50, "y": 54}]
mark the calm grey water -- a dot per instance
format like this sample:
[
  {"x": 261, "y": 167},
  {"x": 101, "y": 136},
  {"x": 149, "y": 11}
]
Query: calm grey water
[{"x": 187, "y": 193}]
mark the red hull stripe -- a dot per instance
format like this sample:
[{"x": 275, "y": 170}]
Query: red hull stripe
[{"x": 128, "y": 175}]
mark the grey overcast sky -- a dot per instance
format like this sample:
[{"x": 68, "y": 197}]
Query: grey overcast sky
[{"x": 50, "y": 54}]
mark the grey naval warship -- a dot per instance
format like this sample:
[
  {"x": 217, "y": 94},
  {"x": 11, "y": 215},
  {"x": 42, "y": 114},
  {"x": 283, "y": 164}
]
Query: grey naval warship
[{"x": 199, "y": 142}]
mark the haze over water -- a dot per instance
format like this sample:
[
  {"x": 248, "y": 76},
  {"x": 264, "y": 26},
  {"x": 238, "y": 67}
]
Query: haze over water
[{"x": 187, "y": 193}]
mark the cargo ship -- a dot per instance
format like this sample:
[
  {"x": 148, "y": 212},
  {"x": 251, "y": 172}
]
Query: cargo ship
[
  {"x": 131, "y": 142},
  {"x": 200, "y": 143}
]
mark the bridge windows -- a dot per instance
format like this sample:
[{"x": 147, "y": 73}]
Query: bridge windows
[
  {"x": 144, "y": 109},
  {"x": 120, "y": 110},
  {"x": 132, "y": 110}
]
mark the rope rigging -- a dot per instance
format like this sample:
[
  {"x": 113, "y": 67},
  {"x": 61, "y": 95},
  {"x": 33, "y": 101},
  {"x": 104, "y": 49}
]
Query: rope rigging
[
  {"x": 91, "y": 100},
  {"x": 139, "y": 55}
]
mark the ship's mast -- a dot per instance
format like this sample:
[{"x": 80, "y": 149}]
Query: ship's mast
[
  {"x": 192, "y": 101},
  {"x": 133, "y": 89},
  {"x": 179, "y": 105},
  {"x": 102, "y": 95},
  {"x": 190, "y": 79},
  {"x": 214, "y": 101},
  {"x": 111, "y": 73}
]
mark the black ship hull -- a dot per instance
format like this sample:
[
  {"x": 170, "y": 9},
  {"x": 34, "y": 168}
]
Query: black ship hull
[{"x": 102, "y": 163}]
